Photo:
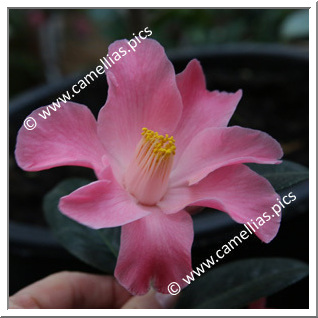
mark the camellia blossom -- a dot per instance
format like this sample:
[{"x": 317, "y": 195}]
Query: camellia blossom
[{"x": 160, "y": 144}]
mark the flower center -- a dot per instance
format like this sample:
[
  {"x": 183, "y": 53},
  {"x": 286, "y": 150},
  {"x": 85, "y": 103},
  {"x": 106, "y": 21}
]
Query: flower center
[{"x": 148, "y": 173}]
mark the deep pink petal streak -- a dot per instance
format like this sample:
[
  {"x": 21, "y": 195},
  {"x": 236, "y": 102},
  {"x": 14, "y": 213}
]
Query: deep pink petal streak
[
  {"x": 142, "y": 93},
  {"x": 155, "y": 249},
  {"x": 217, "y": 147},
  {"x": 236, "y": 190},
  {"x": 67, "y": 137}
]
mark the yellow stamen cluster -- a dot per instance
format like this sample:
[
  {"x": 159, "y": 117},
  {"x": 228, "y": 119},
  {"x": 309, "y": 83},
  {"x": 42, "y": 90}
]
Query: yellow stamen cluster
[
  {"x": 162, "y": 145},
  {"x": 147, "y": 175}
]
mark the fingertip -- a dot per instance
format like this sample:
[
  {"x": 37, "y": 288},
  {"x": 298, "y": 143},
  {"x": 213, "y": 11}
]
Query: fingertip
[
  {"x": 166, "y": 300},
  {"x": 151, "y": 300}
]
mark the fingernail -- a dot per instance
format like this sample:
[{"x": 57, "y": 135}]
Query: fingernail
[{"x": 166, "y": 300}]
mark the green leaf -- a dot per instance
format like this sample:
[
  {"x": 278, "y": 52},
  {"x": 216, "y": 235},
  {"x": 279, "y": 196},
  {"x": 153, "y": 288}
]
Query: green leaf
[
  {"x": 98, "y": 248},
  {"x": 283, "y": 175},
  {"x": 236, "y": 284}
]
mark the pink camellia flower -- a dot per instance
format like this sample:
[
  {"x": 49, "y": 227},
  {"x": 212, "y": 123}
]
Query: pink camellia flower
[{"x": 160, "y": 144}]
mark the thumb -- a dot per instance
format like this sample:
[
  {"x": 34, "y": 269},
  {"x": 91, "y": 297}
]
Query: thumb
[{"x": 152, "y": 300}]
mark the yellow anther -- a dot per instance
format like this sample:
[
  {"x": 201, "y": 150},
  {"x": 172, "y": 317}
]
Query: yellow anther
[{"x": 162, "y": 146}]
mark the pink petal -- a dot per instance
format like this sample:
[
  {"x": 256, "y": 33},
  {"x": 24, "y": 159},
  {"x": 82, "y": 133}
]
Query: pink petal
[
  {"x": 67, "y": 137},
  {"x": 217, "y": 147},
  {"x": 236, "y": 190},
  {"x": 155, "y": 250},
  {"x": 201, "y": 109},
  {"x": 142, "y": 93},
  {"x": 102, "y": 204}
]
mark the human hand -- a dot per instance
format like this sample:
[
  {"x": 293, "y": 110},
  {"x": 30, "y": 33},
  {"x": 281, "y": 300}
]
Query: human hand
[{"x": 75, "y": 290}]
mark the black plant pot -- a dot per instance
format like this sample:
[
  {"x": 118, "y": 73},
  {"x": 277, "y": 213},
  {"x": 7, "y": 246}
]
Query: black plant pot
[{"x": 275, "y": 85}]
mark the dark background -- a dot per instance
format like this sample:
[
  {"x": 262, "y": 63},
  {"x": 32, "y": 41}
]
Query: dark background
[{"x": 47, "y": 45}]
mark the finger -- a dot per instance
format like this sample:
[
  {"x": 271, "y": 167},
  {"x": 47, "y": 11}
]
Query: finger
[
  {"x": 67, "y": 290},
  {"x": 152, "y": 300}
]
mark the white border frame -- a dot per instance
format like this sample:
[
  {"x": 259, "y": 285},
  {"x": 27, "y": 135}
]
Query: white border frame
[{"x": 312, "y": 155}]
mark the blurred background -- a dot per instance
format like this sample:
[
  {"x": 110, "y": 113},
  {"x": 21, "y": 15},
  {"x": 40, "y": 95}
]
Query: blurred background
[
  {"x": 46, "y": 45},
  {"x": 262, "y": 51}
]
